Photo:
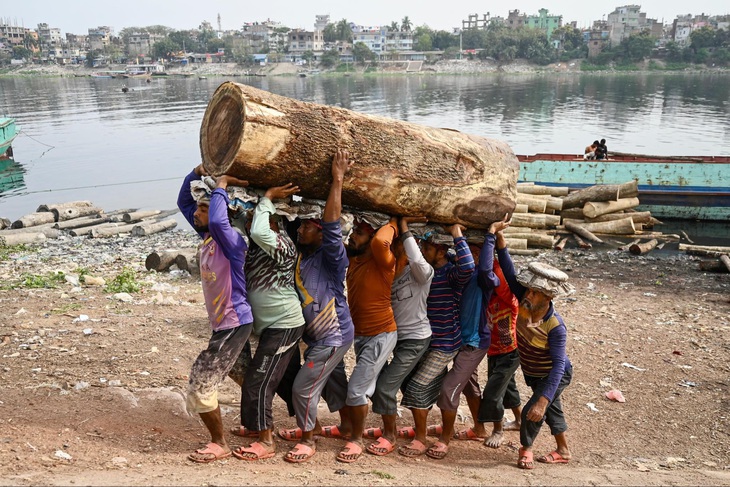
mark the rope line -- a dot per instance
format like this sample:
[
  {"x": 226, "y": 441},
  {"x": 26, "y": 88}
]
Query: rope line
[{"x": 93, "y": 186}]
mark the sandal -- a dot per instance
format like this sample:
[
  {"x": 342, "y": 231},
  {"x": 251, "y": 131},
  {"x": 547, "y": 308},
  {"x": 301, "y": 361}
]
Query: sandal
[
  {"x": 332, "y": 432},
  {"x": 408, "y": 432},
  {"x": 381, "y": 447},
  {"x": 289, "y": 435},
  {"x": 467, "y": 434},
  {"x": 435, "y": 430},
  {"x": 255, "y": 451},
  {"x": 412, "y": 449},
  {"x": 553, "y": 457},
  {"x": 349, "y": 453},
  {"x": 211, "y": 453},
  {"x": 438, "y": 450},
  {"x": 373, "y": 433},
  {"x": 525, "y": 461},
  {"x": 244, "y": 432},
  {"x": 300, "y": 453}
]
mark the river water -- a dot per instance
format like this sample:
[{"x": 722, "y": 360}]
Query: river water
[{"x": 82, "y": 138}]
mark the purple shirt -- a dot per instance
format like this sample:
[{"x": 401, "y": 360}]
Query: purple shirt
[{"x": 222, "y": 257}]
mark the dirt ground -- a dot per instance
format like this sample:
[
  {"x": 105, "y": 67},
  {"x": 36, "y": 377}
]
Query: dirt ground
[{"x": 99, "y": 401}]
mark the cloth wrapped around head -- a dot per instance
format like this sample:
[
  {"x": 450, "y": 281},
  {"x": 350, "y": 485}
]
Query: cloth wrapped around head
[
  {"x": 547, "y": 279},
  {"x": 371, "y": 220}
]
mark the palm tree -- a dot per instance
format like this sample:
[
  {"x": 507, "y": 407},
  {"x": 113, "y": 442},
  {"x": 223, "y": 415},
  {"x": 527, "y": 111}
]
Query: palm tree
[
  {"x": 405, "y": 24},
  {"x": 393, "y": 27},
  {"x": 344, "y": 31}
]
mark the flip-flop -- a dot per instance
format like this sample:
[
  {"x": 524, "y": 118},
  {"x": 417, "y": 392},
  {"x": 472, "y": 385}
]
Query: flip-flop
[
  {"x": 408, "y": 432},
  {"x": 553, "y": 457},
  {"x": 525, "y": 460},
  {"x": 412, "y": 449},
  {"x": 214, "y": 449},
  {"x": 381, "y": 447},
  {"x": 350, "y": 448},
  {"x": 373, "y": 433},
  {"x": 332, "y": 432},
  {"x": 244, "y": 432},
  {"x": 434, "y": 430},
  {"x": 468, "y": 434},
  {"x": 293, "y": 434},
  {"x": 255, "y": 448},
  {"x": 438, "y": 450},
  {"x": 299, "y": 449}
]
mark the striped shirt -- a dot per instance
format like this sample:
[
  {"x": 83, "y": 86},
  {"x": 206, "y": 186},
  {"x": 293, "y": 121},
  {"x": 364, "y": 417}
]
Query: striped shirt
[{"x": 442, "y": 305}]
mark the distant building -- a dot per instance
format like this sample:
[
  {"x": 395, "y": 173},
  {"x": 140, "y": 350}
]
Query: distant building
[
  {"x": 597, "y": 37},
  {"x": 543, "y": 21},
  {"x": 321, "y": 22},
  {"x": 141, "y": 43},
  {"x": 474, "y": 22},
  {"x": 79, "y": 41},
  {"x": 398, "y": 41},
  {"x": 49, "y": 36},
  {"x": 12, "y": 35},
  {"x": 301, "y": 41},
  {"x": 628, "y": 20},
  {"x": 515, "y": 19},
  {"x": 684, "y": 25},
  {"x": 372, "y": 36},
  {"x": 100, "y": 38}
]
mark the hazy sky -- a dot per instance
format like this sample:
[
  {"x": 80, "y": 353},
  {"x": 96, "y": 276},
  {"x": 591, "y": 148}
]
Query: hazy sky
[{"x": 77, "y": 16}]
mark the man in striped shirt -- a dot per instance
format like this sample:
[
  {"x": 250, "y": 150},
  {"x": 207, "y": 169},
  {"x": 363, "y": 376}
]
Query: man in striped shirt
[{"x": 442, "y": 306}]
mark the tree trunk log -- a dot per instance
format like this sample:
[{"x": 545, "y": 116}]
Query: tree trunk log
[
  {"x": 725, "y": 260},
  {"x": 521, "y": 208},
  {"x": 534, "y": 239},
  {"x": 582, "y": 232},
  {"x": 535, "y": 205},
  {"x": 138, "y": 215},
  {"x": 71, "y": 212},
  {"x": 142, "y": 230},
  {"x": 34, "y": 219},
  {"x": 643, "y": 248},
  {"x": 549, "y": 190},
  {"x": 516, "y": 243},
  {"x": 86, "y": 230},
  {"x": 61, "y": 206},
  {"x": 187, "y": 260},
  {"x": 514, "y": 229},
  {"x": 109, "y": 231},
  {"x": 81, "y": 222},
  {"x": 21, "y": 238},
  {"x": 713, "y": 266},
  {"x": 5, "y": 223},
  {"x": 561, "y": 244},
  {"x": 601, "y": 192},
  {"x": 582, "y": 243},
  {"x": 625, "y": 226},
  {"x": 529, "y": 252},
  {"x": 533, "y": 220},
  {"x": 574, "y": 213},
  {"x": 594, "y": 209},
  {"x": 400, "y": 168},
  {"x": 628, "y": 245},
  {"x": 160, "y": 261},
  {"x": 708, "y": 248},
  {"x": 636, "y": 216}
]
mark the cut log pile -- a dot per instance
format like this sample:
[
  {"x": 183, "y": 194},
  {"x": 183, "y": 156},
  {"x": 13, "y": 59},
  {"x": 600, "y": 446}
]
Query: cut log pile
[
  {"x": 558, "y": 218},
  {"x": 77, "y": 218}
]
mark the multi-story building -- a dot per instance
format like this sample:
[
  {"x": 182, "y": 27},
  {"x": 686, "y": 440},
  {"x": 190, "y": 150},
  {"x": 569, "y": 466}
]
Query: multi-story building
[
  {"x": 77, "y": 40},
  {"x": 12, "y": 35},
  {"x": 321, "y": 21},
  {"x": 100, "y": 38},
  {"x": 260, "y": 36},
  {"x": 398, "y": 41},
  {"x": 141, "y": 43},
  {"x": 544, "y": 22},
  {"x": 474, "y": 22},
  {"x": 597, "y": 37},
  {"x": 372, "y": 36},
  {"x": 301, "y": 41},
  {"x": 49, "y": 36},
  {"x": 515, "y": 19},
  {"x": 628, "y": 20}
]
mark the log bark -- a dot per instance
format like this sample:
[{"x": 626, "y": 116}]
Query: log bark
[
  {"x": 628, "y": 245},
  {"x": 715, "y": 265},
  {"x": 81, "y": 222},
  {"x": 535, "y": 205},
  {"x": 5, "y": 223},
  {"x": 533, "y": 220},
  {"x": 574, "y": 213},
  {"x": 521, "y": 208},
  {"x": 400, "y": 168},
  {"x": 160, "y": 261},
  {"x": 549, "y": 190},
  {"x": 561, "y": 244},
  {"x": 534, "y": 239},
  {"x": 636, "y": 216},
  {"x": 69, "y": 204},
  {"x": 582, "y": 232},
  {"x": 643, "y": 248},
  {"x": 725, "y": 260},
  {"x": 515, "y": 229},
  {"x": 601, "y": 192},
  {"x": 142, "y": 230},
  {"x": 516, "y": 243},
  {"x": 707, "y": 248},
  {"x": 528, "y": 252},
  {"x": 34, "y": 219},
  {"x": 187, "y": 260},
  {"x": 594, "y": 209},
  {"x": 625, "y": 226},
  {"x": 21, "y": 238},
  {"x": 582, "y": 243},
  {"x": 138, "y": 215},
  {"x": 109, "y": 231},
  {"x": 81, "y": 231},
  {"x": 65, "y": 214}
]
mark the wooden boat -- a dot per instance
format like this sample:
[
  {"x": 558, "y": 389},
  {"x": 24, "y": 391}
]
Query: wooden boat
[
  {"x": 8, "y": 133},
  {"x": 685, "y": 187},
  {"x": 11, "y": 175}
]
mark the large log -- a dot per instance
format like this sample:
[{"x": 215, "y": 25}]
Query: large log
[
  {"x": 636, "y": 216},
  {"x": 109, "y": 231},
  {"x": 582, "y": 232},
  {"x": 399, "y": 167},
  {"x": 535, "y": 205},
  {"x": 60, "y": 206},
  {"x": 706, "y": 248},
  {"x": 549, "y": 190},
  {"x": 594, "y": 209},
  {"x": 144, "y": 229},
  {"x": 34, "y": 219},
  {"x": 534, "y": 239},
  {"x": 71, "y": 212},
  {"x": 713, "y": 266},
  {"x": 642, "y": 248},
  {"x": 160, "y": 261},
  {"x": 533, "y": 220},
  {"x": 529, "y": 252},
  {"x": 81, "y": 222},
  {"x": 187, "y": 260},
  {"x": 21, "y": 238},
  {"x": 521, "y": 208},
  {"x": 601, "y": 192},
  {"x": 625, "y": 226},
  {"x": 5, "y": 223},
  {"x": 516, "y": 243},
  {"x": 138, "y": 215}
]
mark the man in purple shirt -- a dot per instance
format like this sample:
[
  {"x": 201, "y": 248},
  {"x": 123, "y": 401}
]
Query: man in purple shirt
[{"x": 222, "y": 256}]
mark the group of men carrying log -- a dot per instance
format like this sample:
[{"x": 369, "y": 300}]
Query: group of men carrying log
[{"x": 409, "y": 305}]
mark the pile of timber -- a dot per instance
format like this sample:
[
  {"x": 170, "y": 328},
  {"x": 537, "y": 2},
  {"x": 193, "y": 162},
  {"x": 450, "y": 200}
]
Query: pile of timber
[
  {"x": 719, "y": 257},
  {"x": 77, "y": 218},
  {"x": 551, "y": 217}
]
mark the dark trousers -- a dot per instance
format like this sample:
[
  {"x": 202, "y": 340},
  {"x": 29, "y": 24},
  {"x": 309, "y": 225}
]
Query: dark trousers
[
  {"x": 273, "y": 354},
  {"x": 500, "y": 392},
  {"x": 553, "y": 414}
]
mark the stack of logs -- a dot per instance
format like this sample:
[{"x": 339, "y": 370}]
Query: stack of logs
[
  {"x": 719, "y": 256},
  {"x": 549, "y": 216},
  {"x": 79, "y": 218}
]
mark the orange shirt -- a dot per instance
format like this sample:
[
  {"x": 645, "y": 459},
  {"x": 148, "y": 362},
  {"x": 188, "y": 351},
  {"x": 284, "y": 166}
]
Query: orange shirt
[{"x": 369, "y": 280}]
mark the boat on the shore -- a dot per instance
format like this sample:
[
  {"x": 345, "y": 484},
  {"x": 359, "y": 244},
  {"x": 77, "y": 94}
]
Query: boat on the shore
[
  {"x": 8, "y": 133},
  {"x": 682, "y": 187}
]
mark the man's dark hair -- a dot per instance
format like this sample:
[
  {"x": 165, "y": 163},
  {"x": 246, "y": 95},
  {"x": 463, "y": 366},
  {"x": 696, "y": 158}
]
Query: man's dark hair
[
  {"x": 603, "y": 141},
  {"x": 595, "y": 142}
]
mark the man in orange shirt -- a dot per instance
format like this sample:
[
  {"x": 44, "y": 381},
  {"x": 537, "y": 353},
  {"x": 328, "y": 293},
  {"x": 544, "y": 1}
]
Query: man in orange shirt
[{"x": 369, "y": 280}]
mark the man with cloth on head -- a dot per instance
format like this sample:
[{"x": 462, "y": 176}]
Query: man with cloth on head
[
  {"x": 320, "y": 279},
  {"x": 422, "y": 388},
  {"x": 369, "y": 280},
  {"x": 222, "y": 258},
  {"x": 541, "y": 342}
]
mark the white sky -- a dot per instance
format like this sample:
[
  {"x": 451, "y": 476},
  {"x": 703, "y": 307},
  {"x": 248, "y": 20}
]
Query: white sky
[{"x": 77, "y": 16}]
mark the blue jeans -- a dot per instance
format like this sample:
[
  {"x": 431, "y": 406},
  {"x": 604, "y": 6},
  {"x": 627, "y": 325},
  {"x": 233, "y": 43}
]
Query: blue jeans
[{"x": 553, "y": 414}]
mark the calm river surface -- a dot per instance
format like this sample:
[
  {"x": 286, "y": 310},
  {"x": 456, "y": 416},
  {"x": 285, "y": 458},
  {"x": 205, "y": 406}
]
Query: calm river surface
[{"x": 132, "y": 150}]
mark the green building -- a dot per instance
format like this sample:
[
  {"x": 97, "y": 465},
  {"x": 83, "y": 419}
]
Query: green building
[{"x": 545, "y": 22}]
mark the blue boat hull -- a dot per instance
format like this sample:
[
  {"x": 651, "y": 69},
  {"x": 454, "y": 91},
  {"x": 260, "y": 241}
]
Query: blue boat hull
[{"x": 687, "y": 188}]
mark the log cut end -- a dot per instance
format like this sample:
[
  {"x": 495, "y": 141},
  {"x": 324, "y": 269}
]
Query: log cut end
[{"x": 221, "y": 132}]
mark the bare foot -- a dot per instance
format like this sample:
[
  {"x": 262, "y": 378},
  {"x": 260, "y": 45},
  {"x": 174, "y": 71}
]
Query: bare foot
[
  {"x": 511, "y": 426},
  {"x": 495, "y": 440}
]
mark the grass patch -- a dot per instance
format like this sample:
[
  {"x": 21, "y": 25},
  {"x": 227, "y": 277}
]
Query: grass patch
[
  {"x": 66, "y": 308},
  {"x": 37, "y": 281},
  {"x": 125, "y": 282},
  {"x": 7, "y": 250},
  {"x": 382, "y": 475}
]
